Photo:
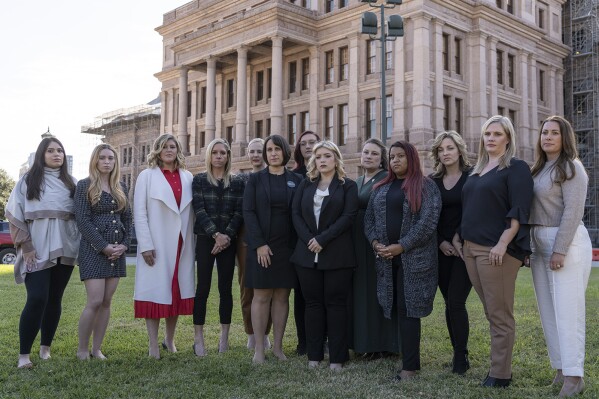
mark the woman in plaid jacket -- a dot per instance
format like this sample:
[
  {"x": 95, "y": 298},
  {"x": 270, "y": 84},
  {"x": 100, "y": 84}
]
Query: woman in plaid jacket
[{"x": 217, "y": 200}]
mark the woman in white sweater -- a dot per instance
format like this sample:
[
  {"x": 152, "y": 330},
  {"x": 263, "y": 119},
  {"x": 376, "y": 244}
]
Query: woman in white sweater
[{"x": 561, "y": 250}]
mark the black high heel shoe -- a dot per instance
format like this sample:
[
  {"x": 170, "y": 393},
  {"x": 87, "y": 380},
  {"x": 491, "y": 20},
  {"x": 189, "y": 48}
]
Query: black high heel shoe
[
  {"x": 492, "y": 382},
  {"x": 460, "y": 363}
]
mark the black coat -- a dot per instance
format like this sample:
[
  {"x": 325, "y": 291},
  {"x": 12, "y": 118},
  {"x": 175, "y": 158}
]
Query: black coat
[
  {"x": 256, "y": 207},
  {"x": 334, "y": 232}
]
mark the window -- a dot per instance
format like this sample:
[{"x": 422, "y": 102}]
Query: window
[
  {"x": 343, "y": 3},
  {"x": 125, "y": 162},
  {"x": 370, "y": 118},
  {"x": 510, "y": 70},
  {"x": 329, "y": 67},
  {"x": 458, "y": 115},
  {"x": 306, "y": 3},
  {"x": 389, "y": 116},
  {"x": 143, "y": 153},
  {"x": 458, "y": 55},
  {"x": 370, "y": 57},
  {"x": 343, "y": 64},
  {"x": 259, "y": 129},
  {"x": 230, "y": 93},
  {"x": 500, "y": 110},
  {"x": 499, "y": 67},
  {"x": 203, "y": 101},
  {"x": 269, "y": 76},
  {"x": 512, "y": 116},
  {"x": 389, "y": 56},
  {"x": 445, "y": 52},
  {"x": 202, "y": 140},
  {"x": 229, "y": 137},
  {"x": 292, "y": 76},
  {"x": 541, "y": 18},
  {"x": 446, "y": 112},
  {"x": 499, "y": 3},
  {"x": 291, "y": 128},
  {"x": 130, "y": 154},
  {"x": 268, "y": 127},
  {"x": 305, "y": 73},
  {"x": 541, "y": 83},
  {"x": 510, "y": 6},
  {"x": 343, "y": 115},
  {"x": 304, "y": 121},
  {"x": 188, "y": 103},
  {"x": 329, "y": 5},
  {"x": 259, "y": 85},
  {"x": 328, "y": 123}
]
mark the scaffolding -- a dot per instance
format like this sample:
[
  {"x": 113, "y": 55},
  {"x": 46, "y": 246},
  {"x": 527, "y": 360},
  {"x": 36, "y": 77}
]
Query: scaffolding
[
  {"x": 124, "y": 119},
  {"x": 581, "y": 87}
]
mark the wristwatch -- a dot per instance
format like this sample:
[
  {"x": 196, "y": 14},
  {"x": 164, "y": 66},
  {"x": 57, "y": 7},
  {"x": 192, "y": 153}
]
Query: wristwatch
[{"x": 215, "y": 235}]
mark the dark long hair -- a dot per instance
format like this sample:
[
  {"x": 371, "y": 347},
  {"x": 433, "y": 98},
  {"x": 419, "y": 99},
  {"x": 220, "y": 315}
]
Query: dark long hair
[
  {"x": 297, "y": 152},
  {"x": 35, "y": 175},
  {"x": 413, "y": 183},
  {"x": 568, "y": 154}
]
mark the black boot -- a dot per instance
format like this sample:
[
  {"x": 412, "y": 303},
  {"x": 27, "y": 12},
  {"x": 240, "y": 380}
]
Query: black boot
[
  {"x": 460, "y": 363},
  {"x": 492, "y": 382}
]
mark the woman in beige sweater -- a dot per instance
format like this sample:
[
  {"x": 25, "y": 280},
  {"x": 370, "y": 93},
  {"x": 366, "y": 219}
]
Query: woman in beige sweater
[{"x": 561, "y": 250}]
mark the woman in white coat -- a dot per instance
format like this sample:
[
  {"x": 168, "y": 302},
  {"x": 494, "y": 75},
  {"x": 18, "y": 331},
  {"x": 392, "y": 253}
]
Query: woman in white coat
[{"x": 164, "y": 278}]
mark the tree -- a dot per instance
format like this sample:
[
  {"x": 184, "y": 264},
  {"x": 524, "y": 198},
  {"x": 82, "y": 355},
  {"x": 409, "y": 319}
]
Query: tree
[{"x": 6, "y": 186}]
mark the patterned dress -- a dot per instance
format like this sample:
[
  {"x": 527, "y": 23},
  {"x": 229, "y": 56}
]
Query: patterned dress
[{"x": 100, "y": 225}]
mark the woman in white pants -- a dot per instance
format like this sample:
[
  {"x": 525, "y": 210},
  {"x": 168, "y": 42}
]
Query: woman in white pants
[{"x": 561, "y": 250}]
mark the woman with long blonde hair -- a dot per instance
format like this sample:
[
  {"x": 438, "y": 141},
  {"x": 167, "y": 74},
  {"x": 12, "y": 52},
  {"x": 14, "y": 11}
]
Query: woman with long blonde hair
[
  {"x": 217, "y": 200},
  {"x": 104, "y": 220},
  {"x": 164, "y": 278}
]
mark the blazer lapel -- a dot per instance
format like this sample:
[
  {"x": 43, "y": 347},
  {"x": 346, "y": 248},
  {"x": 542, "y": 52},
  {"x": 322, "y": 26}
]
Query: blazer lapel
[
  {"x": 332, "y": 187},
  {"x": 291, "y": 186},
  {"x": 161, "y": 190},
  {"x": 309, "y": 202},
  {"x": 186, "y": 195}
]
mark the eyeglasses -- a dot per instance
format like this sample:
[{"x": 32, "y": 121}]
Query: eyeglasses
[{"x": 305, "y": 143}]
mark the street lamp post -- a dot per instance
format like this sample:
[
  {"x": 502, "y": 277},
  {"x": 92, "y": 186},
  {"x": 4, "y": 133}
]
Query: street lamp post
[{"x": 390, "y": 30}]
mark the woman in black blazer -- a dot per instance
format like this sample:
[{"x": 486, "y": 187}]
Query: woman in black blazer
[
  {"x": 324, "y": 210},
  {"x": 270, "y": 237}
]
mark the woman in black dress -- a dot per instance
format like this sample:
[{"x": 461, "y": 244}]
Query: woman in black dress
[
  {"x": 452, "y": 167},
  {"x": 104, "y": 220},
  {"x": 271, "y": 238},
  {"x": 373, "y": 334}
]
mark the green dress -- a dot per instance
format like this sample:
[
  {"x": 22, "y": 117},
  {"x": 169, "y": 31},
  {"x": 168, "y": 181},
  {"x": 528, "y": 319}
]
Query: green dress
[{"x": 372, "y": 332}]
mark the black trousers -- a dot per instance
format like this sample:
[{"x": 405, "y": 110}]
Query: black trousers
[
  {"x": 42, "y": 310},
  {"x": 326, "y": 293},
  {"x": 455, "y": 287},
  {"x": 299, "y": 315},
  {"x": 409, "y": 327},
  {"x": 225, "y": 265}
]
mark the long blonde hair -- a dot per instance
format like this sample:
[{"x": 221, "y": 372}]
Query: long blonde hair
[
  {"x": 510, "y": 150},
  {"x": 459, "y": 142},
  {"x": 158, "y": 146},
  {"x": 227, "y": 177},
  {"x": 94, "y": 192},
  {"x": 313, "y": 172}
]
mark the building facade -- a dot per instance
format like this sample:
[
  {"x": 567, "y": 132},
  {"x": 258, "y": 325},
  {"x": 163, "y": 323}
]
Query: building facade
[{"x": 245, "y": 69}]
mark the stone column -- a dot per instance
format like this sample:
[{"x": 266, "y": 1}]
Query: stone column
[
  {"x": 314, "y": 83},
  {"x": 354, "y": 142},
  {"x": 399, "y": 91},
  {"x": 534, "y": 100},
  {"x": 209, "y": 119},
  {"x": 421, "y": 131},
  {"x": 476, "y": 106},
  {"x": 193, "y": 134},
  {"x": 163, "y": 113},
  {"x": 439, "y": 76},
  {"x": 493, "y": 76},
  {"x": 276, "y": 101},
  {"x": 182, "y": 134},
  {"x": 523, "y": 117},
  {"x": 241, "y": 112},
  {"x": 552, "y": 93}
]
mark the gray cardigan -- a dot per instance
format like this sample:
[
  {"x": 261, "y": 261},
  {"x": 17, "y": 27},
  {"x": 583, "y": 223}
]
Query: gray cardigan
[{"x": 418, "y": 239}]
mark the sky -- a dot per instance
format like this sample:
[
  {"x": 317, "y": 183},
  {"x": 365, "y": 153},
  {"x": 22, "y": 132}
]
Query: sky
[{"x": 66, "y": 62}]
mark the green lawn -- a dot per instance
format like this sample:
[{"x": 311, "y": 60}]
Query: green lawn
[{"x": 129, "y": 373}]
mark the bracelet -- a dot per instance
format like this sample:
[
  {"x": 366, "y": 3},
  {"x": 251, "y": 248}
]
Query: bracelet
[{"x": 215, "y": 235}]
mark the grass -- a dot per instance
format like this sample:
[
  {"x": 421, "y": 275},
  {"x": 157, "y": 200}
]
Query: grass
[{"x": 129, "y": 373}]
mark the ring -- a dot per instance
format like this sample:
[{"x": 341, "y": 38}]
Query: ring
[{"x": 558, "y": 265}]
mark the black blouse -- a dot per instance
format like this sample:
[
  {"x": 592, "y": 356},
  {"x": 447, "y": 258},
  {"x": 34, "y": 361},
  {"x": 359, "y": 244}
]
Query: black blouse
[
  {"x": 451, "y": 210},
  {"x": 489, "y": 202}
]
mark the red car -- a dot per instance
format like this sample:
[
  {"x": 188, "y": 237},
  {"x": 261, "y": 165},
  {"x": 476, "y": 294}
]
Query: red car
[{"x": 8, "y": 254}]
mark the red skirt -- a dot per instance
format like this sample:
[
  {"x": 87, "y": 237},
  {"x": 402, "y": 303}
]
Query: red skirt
[{"x": 178, "y": 307}]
